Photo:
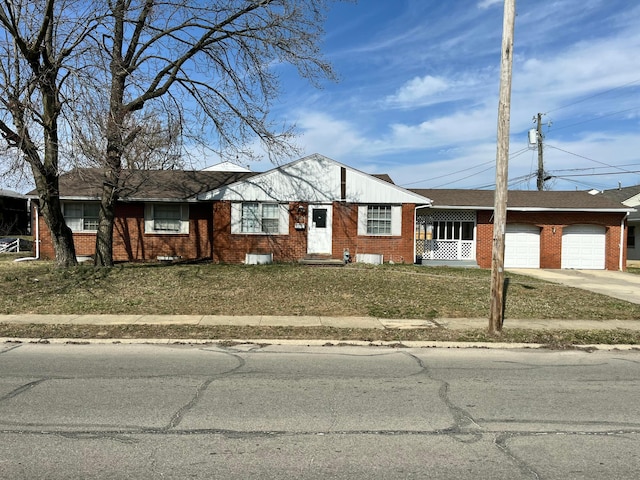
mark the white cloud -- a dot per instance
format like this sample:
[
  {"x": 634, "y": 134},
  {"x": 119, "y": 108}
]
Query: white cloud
[
  {"x": 488, "y": 3},
  {"x": 419, "y": 88}
]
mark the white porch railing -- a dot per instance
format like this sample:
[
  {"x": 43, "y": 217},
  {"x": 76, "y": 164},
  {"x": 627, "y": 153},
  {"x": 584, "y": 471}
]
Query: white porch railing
[{"x": 447, "y": 250}]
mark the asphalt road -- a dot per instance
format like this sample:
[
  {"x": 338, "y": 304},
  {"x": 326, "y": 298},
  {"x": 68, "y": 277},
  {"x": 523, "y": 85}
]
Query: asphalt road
[{"x": 271, "y": 412}]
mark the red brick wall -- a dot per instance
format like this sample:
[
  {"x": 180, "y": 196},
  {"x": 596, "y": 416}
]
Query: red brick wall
[
  {"x": 130, "y": 243},
  {"x": 551, "y": 225},
  {"x": 230, "y": 248}
]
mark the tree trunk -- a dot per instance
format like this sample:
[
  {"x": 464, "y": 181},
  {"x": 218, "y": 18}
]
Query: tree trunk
[{"x": 51, "y": 211}]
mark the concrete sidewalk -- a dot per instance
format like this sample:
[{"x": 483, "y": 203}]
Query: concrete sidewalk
[{"x": 316, "y": 321}]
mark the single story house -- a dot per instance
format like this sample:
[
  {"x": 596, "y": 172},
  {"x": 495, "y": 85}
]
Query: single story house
[
  {"x": 314, "y": 207},
  {"x": 14, "y": 213},
  {"x": 629, "y": 196},
  {"x": 545, "y": 229}
]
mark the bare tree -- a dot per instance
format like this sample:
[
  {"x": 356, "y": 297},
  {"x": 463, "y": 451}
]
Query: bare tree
[
  {"x": 39, "y": 40},
  {"x": 217, "y": 62},
  {"x": 157, "y": 144}
]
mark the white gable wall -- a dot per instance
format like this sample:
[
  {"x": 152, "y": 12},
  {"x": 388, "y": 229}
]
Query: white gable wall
[{"x": 314, "y": 179}]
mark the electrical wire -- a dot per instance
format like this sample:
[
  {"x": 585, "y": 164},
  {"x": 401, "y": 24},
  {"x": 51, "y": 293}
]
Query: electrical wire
[
  {"x": 587, "y": 158},
  {"x": 492, "y": 162},
  {"x": 592, "y": 96}
]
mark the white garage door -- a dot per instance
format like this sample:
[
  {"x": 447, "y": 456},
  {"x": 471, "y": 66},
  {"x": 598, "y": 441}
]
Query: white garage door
[
  {"x": 522, "y": 246},
  {"x": 583, "y": 247}
]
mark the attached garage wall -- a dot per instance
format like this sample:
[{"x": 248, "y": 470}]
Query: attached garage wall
[
  {"x": 551, "y": 226},
  {"x": 522, "y": 246},
  {"x": 584, "y": 247}
]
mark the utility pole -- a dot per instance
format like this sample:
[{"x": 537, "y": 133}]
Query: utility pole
[
  {"x": 540, "y": 182},
  {"x": 502, "y": 168}
]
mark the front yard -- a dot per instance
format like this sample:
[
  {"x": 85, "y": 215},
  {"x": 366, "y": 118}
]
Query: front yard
[{"x": 388, "y": 291}]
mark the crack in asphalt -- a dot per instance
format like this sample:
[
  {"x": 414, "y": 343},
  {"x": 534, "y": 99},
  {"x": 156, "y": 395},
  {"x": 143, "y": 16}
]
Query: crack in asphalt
[
  {"x": 21, "y": 389},
  {"x": 463, "y": 422},
  {"x": 500, "y": 442},
  {"x": 177, "y": 417},
  {"x": 8, "y": 349}
]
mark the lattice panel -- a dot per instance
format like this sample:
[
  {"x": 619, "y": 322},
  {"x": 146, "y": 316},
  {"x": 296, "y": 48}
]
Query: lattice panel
[
  {"x": 448, "y": 216},
  {"x": 466, "y": 250},
  {"x": 445, "y": 250}
]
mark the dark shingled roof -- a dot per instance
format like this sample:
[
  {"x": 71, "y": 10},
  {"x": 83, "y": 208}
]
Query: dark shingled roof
[
  {"x": 520, "y": 199},
  {"x": 147, "y": 184},
  {"x": 383, "y": 176},
  {"x": 622, "y": 194}
]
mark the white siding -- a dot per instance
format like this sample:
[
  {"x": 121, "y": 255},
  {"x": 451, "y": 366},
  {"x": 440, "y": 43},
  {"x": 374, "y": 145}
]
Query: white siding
[{"x": 315, "y": 179}]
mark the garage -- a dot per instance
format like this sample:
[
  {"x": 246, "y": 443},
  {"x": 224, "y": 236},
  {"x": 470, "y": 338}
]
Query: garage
[
  {"x": 583, "y": 247},
  {"x": 522, "y": 246}
]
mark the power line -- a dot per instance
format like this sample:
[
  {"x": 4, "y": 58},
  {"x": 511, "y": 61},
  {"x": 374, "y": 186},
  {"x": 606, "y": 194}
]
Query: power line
[
  {"x": 590, "y": 159},
  {"x": 593, "y": 96},
  {"x": 492, "y": 162},
  {"x": 598, "y": 118}
]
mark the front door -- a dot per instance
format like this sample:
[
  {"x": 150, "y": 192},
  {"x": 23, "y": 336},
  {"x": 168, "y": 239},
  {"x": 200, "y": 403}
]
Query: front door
[{"x": 319, "y": 234}]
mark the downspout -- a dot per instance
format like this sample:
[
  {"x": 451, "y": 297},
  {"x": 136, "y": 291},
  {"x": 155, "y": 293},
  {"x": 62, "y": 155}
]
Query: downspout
[{"x": 622, "y": 241}]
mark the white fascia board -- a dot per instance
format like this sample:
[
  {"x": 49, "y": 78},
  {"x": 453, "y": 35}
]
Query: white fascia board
[
  {"x": 590, "y": 210},
  {"x": 458, "y": 207},
  {"x": 158, "y": 200},
  {"x": 537, "y": 209}
]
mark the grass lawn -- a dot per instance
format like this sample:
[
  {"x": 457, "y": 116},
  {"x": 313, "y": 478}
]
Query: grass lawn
[{"x": 387, "y": 291}]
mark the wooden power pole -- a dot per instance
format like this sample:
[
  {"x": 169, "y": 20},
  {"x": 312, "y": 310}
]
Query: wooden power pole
[
  {"x": 502, "y": 168},
  {"x": 540, "y": 180}
]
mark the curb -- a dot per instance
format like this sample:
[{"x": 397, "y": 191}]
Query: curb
[{"x": 309, "y": 343}]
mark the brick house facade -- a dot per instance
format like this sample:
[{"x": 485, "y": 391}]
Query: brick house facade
[
  {"x": 205, "y": 215},
  {"x": 558, "y": 226}
]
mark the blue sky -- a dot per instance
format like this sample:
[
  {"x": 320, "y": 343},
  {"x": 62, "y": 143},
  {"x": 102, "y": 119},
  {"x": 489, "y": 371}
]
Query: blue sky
[{"x": 418, "y": 92}]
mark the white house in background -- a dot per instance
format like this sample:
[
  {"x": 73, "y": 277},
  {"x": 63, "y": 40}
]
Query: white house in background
[{"x": 629, "y": 196}]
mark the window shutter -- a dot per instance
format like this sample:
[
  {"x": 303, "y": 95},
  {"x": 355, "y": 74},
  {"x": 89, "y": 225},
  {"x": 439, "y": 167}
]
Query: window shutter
[
  {"x": 283, "y": 222},
  {"x": 362, "y": 219},
  {"x": 184, "y": 219},
  {"x": 396, "y": 220},
  {"x": 236, "y": 217},
  {"x": 148, "y": 218}
]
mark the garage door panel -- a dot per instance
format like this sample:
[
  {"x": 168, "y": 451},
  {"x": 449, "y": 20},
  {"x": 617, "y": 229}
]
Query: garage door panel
[
  {"x": 522, "y": 246},
  {"x": 583, "y": 247}
]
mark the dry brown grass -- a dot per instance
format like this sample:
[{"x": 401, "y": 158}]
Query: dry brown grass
[{"x": 388, "y": 291}]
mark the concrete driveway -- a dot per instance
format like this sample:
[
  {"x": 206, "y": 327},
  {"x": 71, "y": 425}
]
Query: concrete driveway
[{"x": 622, "y": 285}]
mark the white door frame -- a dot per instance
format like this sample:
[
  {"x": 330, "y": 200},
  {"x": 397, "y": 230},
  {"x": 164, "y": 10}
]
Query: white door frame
[{"x": 320, "y": 237}]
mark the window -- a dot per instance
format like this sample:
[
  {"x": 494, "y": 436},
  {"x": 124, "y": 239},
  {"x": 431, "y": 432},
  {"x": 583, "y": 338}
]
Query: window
[
  {"x": 379, "y": 220},
  {"x": 81, "y": 216},
  {"x": 631, "y": 237},
  {"x": 166, "y": 218},
  {"x": 260, "y": 217},
  {"x": 453, "y": 230}
]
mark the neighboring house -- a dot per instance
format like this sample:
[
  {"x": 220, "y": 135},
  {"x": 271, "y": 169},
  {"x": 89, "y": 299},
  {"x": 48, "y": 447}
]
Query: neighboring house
[
  {"x": 547, "y": 229},
  {"x": 629, "y": 196},
  {"x": 311, "y": 208},
  {"x": 14, "y": 213}
]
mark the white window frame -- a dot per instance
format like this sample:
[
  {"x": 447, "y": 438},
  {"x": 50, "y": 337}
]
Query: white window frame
[
  {"x": 150, "y": 219},
  {"x": 78, "y": 220},
  {"x": 364, "y": 222},
  {"x": 266, "y": 212}
]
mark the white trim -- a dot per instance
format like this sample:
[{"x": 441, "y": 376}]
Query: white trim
[
  {"x": 396, "y": 220},
  {"x": 362, "y": 220},
  {"x": 149, "y": 222},
  {"x": 236, "y": 219}
]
